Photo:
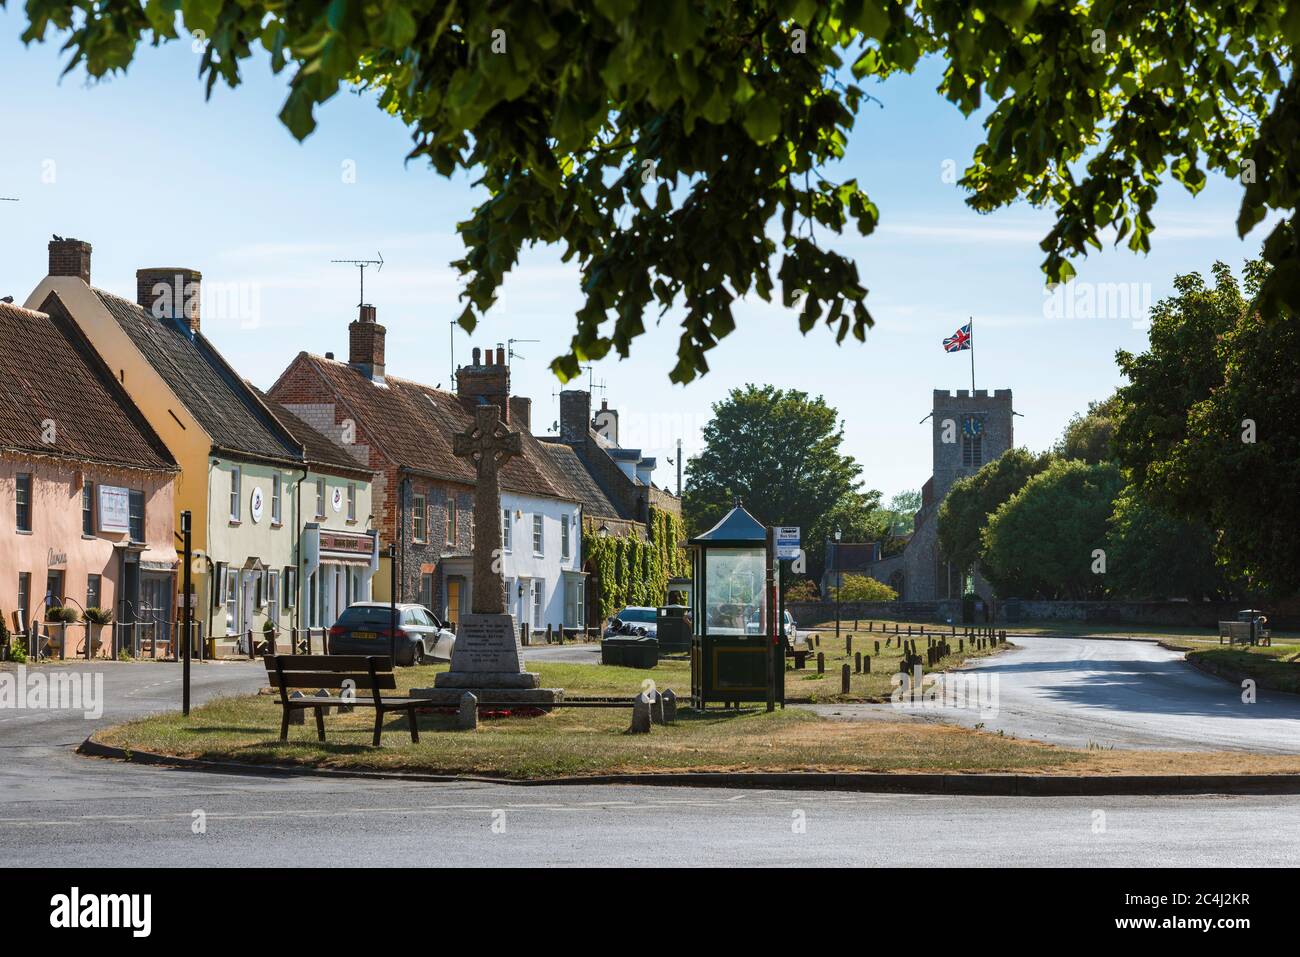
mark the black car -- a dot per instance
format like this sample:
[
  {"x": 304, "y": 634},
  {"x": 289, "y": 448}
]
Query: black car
[{"x": 366, "y": 629}]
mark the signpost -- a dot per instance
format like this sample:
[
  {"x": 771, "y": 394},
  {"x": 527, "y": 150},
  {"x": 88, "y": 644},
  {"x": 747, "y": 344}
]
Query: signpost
[{"x": 787, "y": 542}]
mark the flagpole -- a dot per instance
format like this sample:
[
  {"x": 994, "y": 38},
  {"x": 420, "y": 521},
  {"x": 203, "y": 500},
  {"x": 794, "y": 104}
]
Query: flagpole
[{"x": 972, "y": 356}]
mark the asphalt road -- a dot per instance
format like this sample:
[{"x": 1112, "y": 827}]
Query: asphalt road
[
  {"x": 1126, "y": 694},
  {"x": 57, "y": 808}
]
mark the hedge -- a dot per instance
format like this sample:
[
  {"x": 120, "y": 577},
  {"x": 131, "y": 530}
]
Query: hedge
[{"x": 631, "y": 571}]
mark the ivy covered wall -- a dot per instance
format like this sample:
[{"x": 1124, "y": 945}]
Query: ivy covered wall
[{"x": 633, "y": 571}]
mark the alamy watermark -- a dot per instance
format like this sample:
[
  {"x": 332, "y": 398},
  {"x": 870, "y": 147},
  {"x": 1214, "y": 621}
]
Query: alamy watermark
[
  {"x": 53, "y": 691},
  {"x": 967, "y": 691}
]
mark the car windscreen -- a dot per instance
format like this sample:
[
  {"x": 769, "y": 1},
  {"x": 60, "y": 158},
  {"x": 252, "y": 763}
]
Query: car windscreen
[
  {"x": 370, "y": 616},
  {"x": 646, "y": 615}
]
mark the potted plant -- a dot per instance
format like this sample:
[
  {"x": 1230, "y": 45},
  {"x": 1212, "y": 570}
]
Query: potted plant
[
  {"x": 62, "y": 616},
  {"x": 96, "y": 619}
]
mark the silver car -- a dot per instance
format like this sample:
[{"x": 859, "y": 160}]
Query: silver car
[{"x": 365, "y": 628}]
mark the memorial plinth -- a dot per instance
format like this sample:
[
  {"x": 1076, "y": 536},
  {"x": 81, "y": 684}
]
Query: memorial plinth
[{"x": 488, "y": 660}]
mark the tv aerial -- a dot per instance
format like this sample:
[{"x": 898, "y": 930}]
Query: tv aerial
[{"x": 361, "y": 265}]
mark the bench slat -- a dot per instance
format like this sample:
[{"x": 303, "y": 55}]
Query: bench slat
[
  {"x": 332, "y": 679},
  {"x": 328, "y": 662}
]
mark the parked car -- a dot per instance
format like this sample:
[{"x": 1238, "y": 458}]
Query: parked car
[
  {"x": 755, "y": 627},
  {"x": 634, "y": 620},
  {"x": 365, "y": 628}
]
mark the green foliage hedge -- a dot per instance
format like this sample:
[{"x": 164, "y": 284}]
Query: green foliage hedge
[{"x": 635, "y": 572}]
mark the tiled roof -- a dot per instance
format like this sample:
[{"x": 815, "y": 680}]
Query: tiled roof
[
  {"x": 48, "y": 371},
  {"x": 321, "y": 450},
  {"x": 594, "y": 500},
  {"x": 413, "y": 425},
  {"x": 222, "y": 403}
]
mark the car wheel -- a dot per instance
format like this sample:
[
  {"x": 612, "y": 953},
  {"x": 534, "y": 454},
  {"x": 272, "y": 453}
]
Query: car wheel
[{"x": 417, "y": 654}]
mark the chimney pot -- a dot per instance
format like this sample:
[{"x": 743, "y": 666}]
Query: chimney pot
[
  {"x": 170, "y": 292},
  {"x": 70, "y": 257},
  {"x": 476, "y": 355},
  {"x": 501, "y": 354}
]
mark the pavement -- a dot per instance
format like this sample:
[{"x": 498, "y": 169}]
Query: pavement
[{"x": 59, "y": 808}]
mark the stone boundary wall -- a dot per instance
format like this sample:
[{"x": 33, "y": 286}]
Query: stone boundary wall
[{"x": 1283, "y": 614}]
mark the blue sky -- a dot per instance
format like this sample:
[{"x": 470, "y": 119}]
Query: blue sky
[{"x": 152, "y": 174}]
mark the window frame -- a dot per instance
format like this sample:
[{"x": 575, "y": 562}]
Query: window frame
[
  {"x": 24, "y": 508},
  {"x": 88, "y": 509},
  {"x": 539, "y": 535},
  {"x": 277, "y": 490},
  {"x": 320, "y": 498},
  {"x": 236, "y": 494},
  {"x": 419, "y": 517},
  {"x": 565, "y": 544},
  {"x": 133, "y": 496},
  {"x": 507, "y": 530}
]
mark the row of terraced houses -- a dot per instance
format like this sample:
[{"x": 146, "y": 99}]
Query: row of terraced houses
[{"x": 335, "y": 485}]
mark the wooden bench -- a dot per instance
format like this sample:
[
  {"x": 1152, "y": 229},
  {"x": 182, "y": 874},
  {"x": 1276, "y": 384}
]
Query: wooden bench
[
  {"x": 354, "y": 672},
  {"x": 1239, "y": 633}
]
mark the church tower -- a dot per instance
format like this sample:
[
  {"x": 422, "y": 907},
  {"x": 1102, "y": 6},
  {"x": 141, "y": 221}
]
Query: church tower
[{"x": 969, "y": 431}]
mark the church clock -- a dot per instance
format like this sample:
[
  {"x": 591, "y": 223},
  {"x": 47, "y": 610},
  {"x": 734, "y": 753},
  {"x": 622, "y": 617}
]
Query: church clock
[{"x": 972, "y": 426}]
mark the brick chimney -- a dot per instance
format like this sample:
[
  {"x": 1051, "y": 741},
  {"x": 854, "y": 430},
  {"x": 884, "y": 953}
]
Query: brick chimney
[
  {"x": 70, "y": 257},
  {"x": 366, "y": 345},
  {"x": 170, "y": 292},
  {"x": 575, "y": 415},
  {"x": 521, "y": 412},
  {"x": 486, "y": 379}
]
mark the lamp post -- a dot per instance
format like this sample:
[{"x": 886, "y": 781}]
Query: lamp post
[{"x": 839, "y": 585}]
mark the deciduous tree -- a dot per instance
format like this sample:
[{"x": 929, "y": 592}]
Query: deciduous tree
[{"x": 681, "y": 151}]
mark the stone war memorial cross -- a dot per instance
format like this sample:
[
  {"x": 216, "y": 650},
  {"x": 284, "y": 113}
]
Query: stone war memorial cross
[
  {"x": 488, "y": 657},
  {"x": 489, "y": 444}
]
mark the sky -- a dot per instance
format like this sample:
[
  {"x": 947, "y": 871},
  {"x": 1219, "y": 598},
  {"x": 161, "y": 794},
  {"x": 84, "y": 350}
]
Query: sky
[{"x": 152, "y": 174}]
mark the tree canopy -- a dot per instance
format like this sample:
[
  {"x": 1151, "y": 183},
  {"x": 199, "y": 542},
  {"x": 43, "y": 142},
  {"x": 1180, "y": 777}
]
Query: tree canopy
[
  {"x": 679, "y": 151},
  {"x": 1152, "y": 555},
  {"x": 1088, "y": 436},
  {"x": 1043, "y": 541},
  {"x": 1208, "y": 424},
  {"x": 780, "y": 451},
  {"x": 970, "y": 501}
]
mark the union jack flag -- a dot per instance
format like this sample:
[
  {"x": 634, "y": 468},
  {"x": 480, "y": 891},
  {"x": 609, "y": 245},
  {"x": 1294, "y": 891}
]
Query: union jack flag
[{"x": 959, "y": 340}]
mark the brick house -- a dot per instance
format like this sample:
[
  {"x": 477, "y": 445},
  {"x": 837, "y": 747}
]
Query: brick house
[
  {"x": 403, "y": 431},
  {"x": 86, "y": 485},
  {"x": 242, "y": 471}
]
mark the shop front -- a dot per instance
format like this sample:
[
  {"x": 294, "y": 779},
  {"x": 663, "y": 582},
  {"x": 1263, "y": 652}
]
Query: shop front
[{"x": 337, "y": 569}]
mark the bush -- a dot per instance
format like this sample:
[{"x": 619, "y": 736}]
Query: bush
[
  {"x": 99, "y": 616},
  {"x": 62, "y": 614},
  {"x": 18, "y": 652},
  {"x": 805, "y": 589},
  {"x": 862, "y": 588}
]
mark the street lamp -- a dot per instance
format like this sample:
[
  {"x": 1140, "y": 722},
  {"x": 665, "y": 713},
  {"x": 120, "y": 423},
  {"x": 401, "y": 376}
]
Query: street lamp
[{"x": 839, "y": 585}]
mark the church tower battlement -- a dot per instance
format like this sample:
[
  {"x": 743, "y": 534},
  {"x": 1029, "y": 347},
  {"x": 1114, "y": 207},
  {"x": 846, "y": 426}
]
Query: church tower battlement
[{"x": 969, "y": 431}]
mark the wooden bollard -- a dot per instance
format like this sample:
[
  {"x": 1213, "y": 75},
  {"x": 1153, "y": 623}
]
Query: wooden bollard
[
  {"x": 844, "y": 679},
  {"x": 821, "y": 663},
  {"x": 961, "y": 644},
  {"x": 857, "y": 662},
  {"x": 866, "y": 664},
  {"x": 877, "y": 646},
  {"x": 848, "y": 644},
  {"x": 909, "y": 631},
  {"x": 895, "y": 627}
]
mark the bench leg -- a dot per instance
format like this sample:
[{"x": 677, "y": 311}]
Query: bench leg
[
  {"x": 320, "y": 724},
  {"x": 379, "y": 725},
  {"x": 415, "y": 731},
  {"x": 284, "y": 724}
]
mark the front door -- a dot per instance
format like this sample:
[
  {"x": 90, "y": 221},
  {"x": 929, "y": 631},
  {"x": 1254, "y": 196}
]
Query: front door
[
  {"x": 155, "y": 605},
  {"x": 453, "y": 600},
  {"x": 247, "y": 595}
]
